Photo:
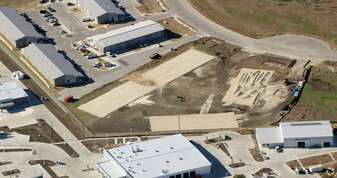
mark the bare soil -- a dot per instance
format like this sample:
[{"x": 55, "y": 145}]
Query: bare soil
[
  {"x": 15, "y": 150},
  {"x": 5, "y": 162},
  {"x": 236, "y": 165},
  {"x": 214, "y": 140},
  {"x": 293, "y": 164},
  {"x": 175, "y": 30},
  {"x": 314, "y": 160},
  {"x": 196, "y": 86},
  {"x": 95, "y": 145},
  {"x": 224, "y": 149},
  {"x": 263, "y": 170},
  {"x": 40, "y": 132},
  {"x": 20, "y": 4},
  {"x": 46, "y": 164},
  {"x": 11, "y": 172},
  {"x": 149, "y": 7},
  {"x": 68, "y": 149},
  {"x": 334, "y": 155}
]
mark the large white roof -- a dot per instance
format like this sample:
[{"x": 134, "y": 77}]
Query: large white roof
[
  {"x": 159, "y": 157},
  {"x": 101, "y": 7},
  {"x": 306, "y": 129},
  {"x": 269, "y": 135},
  {"x": 10, "y": 91},
  {"x": 127, "y": 33}
]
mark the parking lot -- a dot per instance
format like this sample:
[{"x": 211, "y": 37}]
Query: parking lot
[{"x": 71, "y": 23}]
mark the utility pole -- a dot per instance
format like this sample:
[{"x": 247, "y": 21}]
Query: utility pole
[
  {"x": 83, "y": 130},
  {"x": 179, "y": 123},
  {"x": 51, "y": 129}
]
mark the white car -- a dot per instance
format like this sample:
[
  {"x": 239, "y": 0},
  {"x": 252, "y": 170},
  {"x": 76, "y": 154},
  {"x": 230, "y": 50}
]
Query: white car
[
  {"x": 52, "y": 20},
  {"x": 97, "y": 64}
]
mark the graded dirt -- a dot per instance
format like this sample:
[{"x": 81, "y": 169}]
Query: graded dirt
[
  {"x": 196, "y": 87},
  {"x": 193, "y": 122}
]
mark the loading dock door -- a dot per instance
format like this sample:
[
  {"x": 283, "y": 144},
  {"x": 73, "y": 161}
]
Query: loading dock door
[{"x": 300, "y": 144}]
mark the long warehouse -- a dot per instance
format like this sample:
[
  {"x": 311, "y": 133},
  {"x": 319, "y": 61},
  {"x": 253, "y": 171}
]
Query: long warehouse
[
  {"x": 102, "y": 11},
  {"x": 52, "y": 64},
  {"x": 125, "y": 37},
  {"x": 16, "y": 29}
]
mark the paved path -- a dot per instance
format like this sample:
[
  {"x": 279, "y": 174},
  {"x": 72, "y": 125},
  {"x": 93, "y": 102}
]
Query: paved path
[
  {"x": 238, "y": 149},
  {"x": 293, "y": 46}
]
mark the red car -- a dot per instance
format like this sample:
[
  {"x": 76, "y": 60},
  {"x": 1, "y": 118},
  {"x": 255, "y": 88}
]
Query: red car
[{"x": 84, "y": 50}]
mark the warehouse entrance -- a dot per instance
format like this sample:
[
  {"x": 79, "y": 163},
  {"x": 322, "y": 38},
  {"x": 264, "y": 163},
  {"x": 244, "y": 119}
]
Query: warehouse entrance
[{"x": 300, "y": 144}]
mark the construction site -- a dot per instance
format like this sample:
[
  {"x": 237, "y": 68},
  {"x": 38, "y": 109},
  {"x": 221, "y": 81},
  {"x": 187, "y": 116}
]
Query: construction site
[{"x": 222, "y": 82}]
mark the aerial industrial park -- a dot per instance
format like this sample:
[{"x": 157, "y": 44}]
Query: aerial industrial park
[{"x": 168, "y": 88}]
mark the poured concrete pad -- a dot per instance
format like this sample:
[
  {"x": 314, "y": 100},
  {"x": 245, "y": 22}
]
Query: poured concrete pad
[
  {"x": 193, "y": 122},
  {"x": 247, "y": 87},
  {"x": 116, "y": 98},
  {"x": 176, "y": 67}
]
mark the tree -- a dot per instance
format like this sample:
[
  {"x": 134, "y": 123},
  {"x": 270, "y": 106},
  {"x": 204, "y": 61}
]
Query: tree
[{"x": 239, "y": 176}]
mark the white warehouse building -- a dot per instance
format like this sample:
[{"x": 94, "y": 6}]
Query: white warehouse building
[
  {"x": 168, "y": 157},
  {"x": 102, "y": 11},
  {"x": 296, "y": 134},
  {"x": 125, "y": 37}
]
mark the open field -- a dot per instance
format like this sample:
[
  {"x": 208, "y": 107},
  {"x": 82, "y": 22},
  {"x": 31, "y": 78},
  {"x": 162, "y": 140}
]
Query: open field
[
  {"x": 202, "y": 89},
  {"x": 265, "y": 18},
  {"x": 149, "y": 7},
  {"x": 193, "y": 122},
  {"x": 176, "y": 30},
  {"x": 319, "y": 96},
  {"x": 314, "y": 160},
  {"x": 18, "y": 4}
]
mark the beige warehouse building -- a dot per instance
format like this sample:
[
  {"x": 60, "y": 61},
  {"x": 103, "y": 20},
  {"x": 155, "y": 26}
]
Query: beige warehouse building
[{"x": 125, "y": 37}]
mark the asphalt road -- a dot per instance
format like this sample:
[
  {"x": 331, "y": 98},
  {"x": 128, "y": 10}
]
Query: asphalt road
[{"x": 293, "y": 46}]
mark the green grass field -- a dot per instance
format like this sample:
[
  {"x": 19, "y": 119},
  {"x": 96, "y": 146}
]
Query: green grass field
[
  {"x": 324, "y": 101},
  {"x": 264, "y": 18}
]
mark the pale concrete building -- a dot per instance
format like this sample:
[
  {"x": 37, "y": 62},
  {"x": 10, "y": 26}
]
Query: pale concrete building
[
  {"x": 168, "y": 157},
  {"x": 296, "y": 134}
]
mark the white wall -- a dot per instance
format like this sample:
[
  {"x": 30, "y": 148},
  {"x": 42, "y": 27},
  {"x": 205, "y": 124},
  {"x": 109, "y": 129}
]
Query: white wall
[{"x": 292, "y": 143}]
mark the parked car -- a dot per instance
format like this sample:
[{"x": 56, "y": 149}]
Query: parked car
[
  {"x": 90, "y": 56},
  {"x": 155, "y": 56},
  {"x": 63, "y": 32},
  {"x": 42, "y": 11},
  {"x": 69, "y": 4},
  {"x": 86, "y": 19},
  {"x": 24, "y": 15},
  {"x": 113, "y": 55},
  {"x": 51, "y": 9},
  {"x": 83, "y": 50},
  {"x": 97, "y": 64},
  {"x": 56, "y": 24},
  {"x": 46, "y": 14},
  {"x": 52, "y": 21},
  {"x": 85, "y": 54}
]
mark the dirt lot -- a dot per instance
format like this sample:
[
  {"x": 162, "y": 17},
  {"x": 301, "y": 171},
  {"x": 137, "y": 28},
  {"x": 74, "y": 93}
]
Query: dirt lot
[
  {"x": 306, "y": 162},
  {"x": 40, "y": 132},
  {"x": 175, "y": 30},
  {"x": 149, "y": 7},
  {"x": 19, "y": 4},
  {"x": 194, "y": 90},
  {"x": 292, "y": 164},
  {"x": 68, "y": 149},
  {"x": 261, "y": 19},
  {"x": 95, "y": 145}
]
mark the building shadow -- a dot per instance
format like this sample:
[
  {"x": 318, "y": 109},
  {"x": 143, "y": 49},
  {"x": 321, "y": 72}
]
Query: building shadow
[
  {"x": 5, "y": 136},
  {"x": 218, "y": 170}
]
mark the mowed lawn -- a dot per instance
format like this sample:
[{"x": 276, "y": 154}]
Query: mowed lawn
[
  {"x": 27, "y": 4},
  {"x": 264, "y": 18}
]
